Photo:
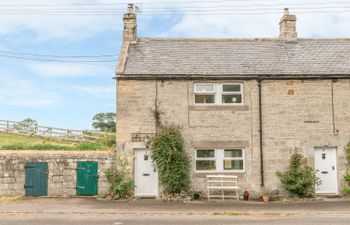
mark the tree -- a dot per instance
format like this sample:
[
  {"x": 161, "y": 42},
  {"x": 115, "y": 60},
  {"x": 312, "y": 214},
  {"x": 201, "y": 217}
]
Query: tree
[
  {"x": 28, "y": 126},
  {"x": 105, "y": 122}
]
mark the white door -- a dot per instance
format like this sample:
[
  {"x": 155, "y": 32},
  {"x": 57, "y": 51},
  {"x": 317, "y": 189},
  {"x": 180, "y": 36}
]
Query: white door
[
  {"x": 146, "y": 177},
  {"x": 326, "y": 167}
]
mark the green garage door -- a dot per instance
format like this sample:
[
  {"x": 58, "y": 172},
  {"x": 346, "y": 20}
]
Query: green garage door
[
  {"x": 87, "y": 178},
  {"x": 36, "y": 176}
]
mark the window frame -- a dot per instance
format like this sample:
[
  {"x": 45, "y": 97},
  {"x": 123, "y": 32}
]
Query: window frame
[
  {"x": 219, "y": 157},
  {"x": 205, "y": 159},
  {"x": 214, "y": 93},
  {"x": 218, "y": 93},
  {"x": 233, "y": 158},
  {"x": 231, "y": 93}
]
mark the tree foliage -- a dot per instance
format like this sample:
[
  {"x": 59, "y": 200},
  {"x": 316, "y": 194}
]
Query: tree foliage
[
  {"x": 299, "y": 179},
  {"x": 171, "y": 160},
  {"x": 27, "y": 126},
  {"x": 346, "y": 186},
  {"x": 105, "y": 122}
]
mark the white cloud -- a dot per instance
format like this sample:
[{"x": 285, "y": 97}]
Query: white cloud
[
  {"x": 216, "y": 23},
  {"x": 25, "y": 93},
  {"x": 61, "y": 27},
  {"x": 53, "y": 69},
  {"x": 251, "y": 21},
  {"x": 96, "y": 91}
]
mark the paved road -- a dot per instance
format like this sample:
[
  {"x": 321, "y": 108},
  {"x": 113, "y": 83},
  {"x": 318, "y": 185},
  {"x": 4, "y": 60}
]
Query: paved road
[
  {"x": 167, "y": 220},
  {"x": 89, "y": 211}
]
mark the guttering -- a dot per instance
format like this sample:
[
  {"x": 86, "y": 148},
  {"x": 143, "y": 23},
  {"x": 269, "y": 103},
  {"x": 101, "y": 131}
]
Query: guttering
[
  {"x": 261, "y": 136},
  {"x": 230, "y": 76}
]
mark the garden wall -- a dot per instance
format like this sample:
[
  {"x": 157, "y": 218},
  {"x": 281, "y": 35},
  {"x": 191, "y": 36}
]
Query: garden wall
[{"x": 62, "y": 170}]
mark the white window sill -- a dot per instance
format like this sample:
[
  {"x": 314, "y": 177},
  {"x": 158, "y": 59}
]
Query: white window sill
[
  {"x": 227, "y": 171},
  {"x": 228, "y": 104}
]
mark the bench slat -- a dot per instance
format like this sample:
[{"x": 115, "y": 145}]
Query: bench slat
[{"x": 222, "y": 182}]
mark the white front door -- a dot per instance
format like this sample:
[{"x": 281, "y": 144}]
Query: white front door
[
  {"x": 326, "y": 167},
  {"x": 146, "y": 177}
]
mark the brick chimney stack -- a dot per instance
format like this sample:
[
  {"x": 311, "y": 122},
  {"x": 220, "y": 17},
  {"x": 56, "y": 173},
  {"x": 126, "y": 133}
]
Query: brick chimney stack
[
  {"x": 129, "y": 33},
  {"x": 288, "y": 30}
]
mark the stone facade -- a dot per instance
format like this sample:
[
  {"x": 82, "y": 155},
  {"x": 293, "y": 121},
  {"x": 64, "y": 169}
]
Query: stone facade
[
  {"x": 305, "y": 100},
  {"x": 297, "y": 116},
  {"x": 61, "y": 166}
]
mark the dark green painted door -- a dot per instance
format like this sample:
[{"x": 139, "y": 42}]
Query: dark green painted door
[
  {"x": 87, "y": 178},
  {"x": 36, "y": 176}
]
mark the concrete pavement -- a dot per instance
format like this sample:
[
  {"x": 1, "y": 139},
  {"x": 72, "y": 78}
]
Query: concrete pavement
[
  {"x": 153, "y": 207},
  {"x": 90, "y": 211}
]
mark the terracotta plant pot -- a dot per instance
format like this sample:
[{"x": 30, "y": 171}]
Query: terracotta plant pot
[{"x": 266, "y": 199}]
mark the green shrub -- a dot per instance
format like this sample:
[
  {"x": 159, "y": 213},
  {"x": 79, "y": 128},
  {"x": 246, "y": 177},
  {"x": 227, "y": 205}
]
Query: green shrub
[
  {"x": 81, "y": 146},
  {"x": 88, "y": 146},
  {"x": 299, "y": 179},
  {"x": 121, "y": 184},
  {"x": 171, "y": 160},
  {"x": 346, "y": 188},
  {"x": 36, "y": 147},
  {"x": 108, "y": 140}
]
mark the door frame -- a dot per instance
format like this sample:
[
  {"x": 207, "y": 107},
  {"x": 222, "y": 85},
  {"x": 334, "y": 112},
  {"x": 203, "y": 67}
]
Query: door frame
[
  {"x": 134, "y": 176},
  {"x": 335, "y": 149}
]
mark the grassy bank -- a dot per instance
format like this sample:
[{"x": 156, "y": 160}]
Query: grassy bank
[{"x": 18, "y": 142}]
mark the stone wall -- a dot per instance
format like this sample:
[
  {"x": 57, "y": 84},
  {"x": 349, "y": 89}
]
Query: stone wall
[
  {"x": 297, "y": 115},
  {"x": 62, "y": 170}
]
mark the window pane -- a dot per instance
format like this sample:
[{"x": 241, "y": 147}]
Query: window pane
[
  {"x": 205, "y": 153},
  {"x": 205, "y": 165},
  {"x": 205, "y": 87},
  {"x": 233, "y": 152},
  {"x": 231, "y": 87},
  {"x": 231, "y": 98},
  {"x": 233, "y": 164},
  {"x": 204, "y": 99}
]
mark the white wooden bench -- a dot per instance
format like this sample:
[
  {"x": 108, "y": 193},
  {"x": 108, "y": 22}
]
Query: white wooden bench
[{"x": 222, "y": 183}]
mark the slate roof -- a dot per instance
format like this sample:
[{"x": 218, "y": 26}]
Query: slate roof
[{"x": 237, "y": 57}]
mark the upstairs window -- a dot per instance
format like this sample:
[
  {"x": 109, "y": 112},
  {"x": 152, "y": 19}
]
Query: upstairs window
[
  {"x": 204, "y": 93},
  {"x": 217, "y": 94},
  {"x": 231, "y": 93}
]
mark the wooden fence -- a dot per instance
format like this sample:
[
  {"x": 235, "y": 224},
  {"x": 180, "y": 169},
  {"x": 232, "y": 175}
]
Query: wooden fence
[{"x": 33, "y": 129}]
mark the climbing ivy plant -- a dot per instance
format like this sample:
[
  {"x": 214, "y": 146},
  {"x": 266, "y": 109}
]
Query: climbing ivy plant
[
  {"x": 346, "y": 187},
  {"x": 171, "y": 160}
]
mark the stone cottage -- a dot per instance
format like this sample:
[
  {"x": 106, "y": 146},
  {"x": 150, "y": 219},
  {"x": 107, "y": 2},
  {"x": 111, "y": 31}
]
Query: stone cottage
[{"x": 243, "y": 105}]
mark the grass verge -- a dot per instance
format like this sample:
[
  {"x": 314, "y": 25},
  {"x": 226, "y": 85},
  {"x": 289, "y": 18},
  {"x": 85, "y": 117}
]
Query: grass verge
[{"x": 18, "y": 142}]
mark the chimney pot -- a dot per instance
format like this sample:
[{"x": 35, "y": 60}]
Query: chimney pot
[
  {"x": 288, "y": 27},
  {"x": 129, "y": 33},
  {"x": 130, "y": 8}
]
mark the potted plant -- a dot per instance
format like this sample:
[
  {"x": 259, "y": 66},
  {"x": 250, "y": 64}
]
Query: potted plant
[
  {"x": 266, "y": 195},
  {"x": 245, "y": 195},
  {"x": 197, "y": 195}
]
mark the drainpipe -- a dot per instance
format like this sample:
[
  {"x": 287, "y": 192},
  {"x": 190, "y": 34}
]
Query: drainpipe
[{"x": 261, "y": 136}]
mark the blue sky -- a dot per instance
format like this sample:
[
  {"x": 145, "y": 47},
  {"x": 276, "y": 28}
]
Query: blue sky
[{"x": 68, "y": 94}]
